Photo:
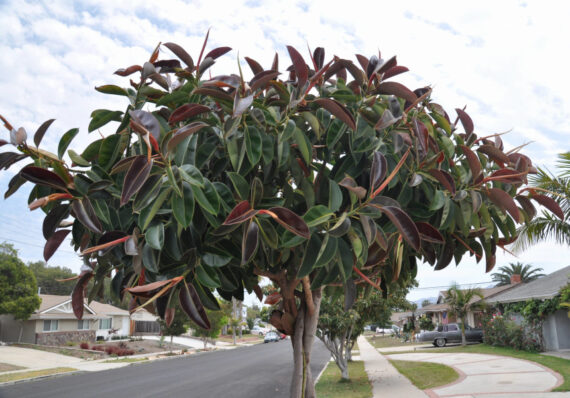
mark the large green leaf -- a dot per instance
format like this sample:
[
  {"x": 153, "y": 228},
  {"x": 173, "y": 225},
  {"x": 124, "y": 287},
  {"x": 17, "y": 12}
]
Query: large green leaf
[
  {"x": 310, "y": 257},
  {"x": 253, "y": 144},
  {"x": 207, "y": 197},
  {"x": 183, "y": 206},
  {"x": 317, "y": 215},
  {"x": 154, "y": 235},
  {"x": 101, "y": 117}
]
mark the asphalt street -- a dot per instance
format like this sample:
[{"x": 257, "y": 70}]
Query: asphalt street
[{"x": 260, "y": 371}]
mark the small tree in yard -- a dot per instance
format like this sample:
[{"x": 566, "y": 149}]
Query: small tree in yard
[
  {"x": 328, "y": 173},
  {"x": 217, "y": 320},
  {"x": 426, "y": 323},
  {"x": 460, "y": 302},
  {"x": 174, "y": 324},
  {"x": 19, "y": 296}
]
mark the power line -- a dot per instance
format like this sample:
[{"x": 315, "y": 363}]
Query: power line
[
  {"x": 447, "y": 286},
  {"x": 31, "y": 244}
]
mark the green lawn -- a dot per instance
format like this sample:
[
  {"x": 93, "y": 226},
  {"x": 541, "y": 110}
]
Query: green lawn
[
  {"x": 331, "y": 386},
  {"x": 389, "y": 341},
  {"x": 426, "y": 374},
  {"x": 35, "y": 373},
  {"x": 559, "y": 365}
]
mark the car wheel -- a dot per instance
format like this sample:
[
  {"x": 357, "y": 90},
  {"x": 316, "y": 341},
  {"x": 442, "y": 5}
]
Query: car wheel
[
  {"x": 440, "y": 342},
  {"x": 261, "y": 333}
]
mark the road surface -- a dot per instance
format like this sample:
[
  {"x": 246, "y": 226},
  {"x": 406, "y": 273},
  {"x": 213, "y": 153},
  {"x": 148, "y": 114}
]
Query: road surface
[{"x": 259, "y": 371}]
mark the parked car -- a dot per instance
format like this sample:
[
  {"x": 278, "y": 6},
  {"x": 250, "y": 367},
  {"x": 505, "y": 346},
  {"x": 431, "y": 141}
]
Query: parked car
[
  {"x": 259, "y": 330},
  {"x": 271, "y": 336},
  {"x": 450, "y": 333},
  {"x": 388, "y": 330}
]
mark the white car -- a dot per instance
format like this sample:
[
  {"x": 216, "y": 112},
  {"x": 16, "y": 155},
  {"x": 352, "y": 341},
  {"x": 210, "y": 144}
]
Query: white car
[
  {"x": 392, "y": 330},
  {"x": 259, "y": 330}
]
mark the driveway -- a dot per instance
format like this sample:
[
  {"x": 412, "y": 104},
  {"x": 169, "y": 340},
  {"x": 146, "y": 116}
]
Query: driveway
[
  {"x": 490, "y": 376},
  {"x": 35, "y": 359}
]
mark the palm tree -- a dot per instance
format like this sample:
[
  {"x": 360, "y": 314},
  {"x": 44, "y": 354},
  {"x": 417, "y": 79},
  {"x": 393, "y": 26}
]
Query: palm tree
[
  {"x": 547, "y": 226},
  {"x": 460, "y": 302},
  {"x": 526, "y": 272}
]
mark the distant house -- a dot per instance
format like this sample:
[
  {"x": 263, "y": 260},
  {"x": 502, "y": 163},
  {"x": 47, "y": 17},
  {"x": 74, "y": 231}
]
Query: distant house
[
  {"x": 440, "y": 314},
  {"x": 54, "y": 323},
  {"x": 143, "y": 323},
  {"x": 556, "y": 327}
]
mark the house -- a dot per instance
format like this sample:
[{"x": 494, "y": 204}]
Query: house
[
  {"x": 556, "y": 327},
  {"x": 143, "y": 322},
  {"x": 55, "y": 324},
  {"x": 439, "y": 312},
  {"x": 401, "y": 318}
]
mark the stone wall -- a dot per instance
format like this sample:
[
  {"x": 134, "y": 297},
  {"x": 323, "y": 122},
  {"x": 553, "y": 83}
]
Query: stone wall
[{"x": 60, "y": 338}]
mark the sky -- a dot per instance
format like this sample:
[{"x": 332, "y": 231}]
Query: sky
[{"x": 505, "y": 60}]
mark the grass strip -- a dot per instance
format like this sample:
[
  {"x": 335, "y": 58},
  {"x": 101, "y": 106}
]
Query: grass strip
[
  {"x": 330, "y": 384},
  {"x": 426, "y": 374},
  {"x": 34, "y": 373},
  {"x": 6, "y": 367},
  {"x": 389, "y": 341},
  {"x": 560, "y": 365}
]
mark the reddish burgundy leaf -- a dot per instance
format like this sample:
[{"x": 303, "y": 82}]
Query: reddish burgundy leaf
[
  {"x": 218, "y": 52},
  {"x": 180, "y": 53},
  {"x": 527, "y": 206},
  {"x": 396, "y": 70},
  {"x": 250, "y": 242},
  {"x": 475, "y": 233},
  {"x": 376, "y": 255},
  {"x": 494, "y": 154},
  {"x": 465, "y": 121},
  {"x": 56, "y": 215},
  {"x": 508, "y": 176},
  {"x": 289, "y": 220},
  {"x": 184, "y": 132},
  {"x": 108, "y": 240},
  {"x": 273, "y": 298},
  {"x": 41, "y": 176},
  {"x": 445, "y": 179},
  {"x": 338, "y": 110},
  {"x": 550, "y": 204},
  {"x": 362, "y": 60},
  {"x": 404, "y": 224},
  {"x": 473, "y": 160},
  {"x": 261, "y": 79},
  {"x": 349, "y": 183},
  {"x": 377, "y": 170},
  {"x": 79, "y": 293},
  {"x": 446, "y": 255},
  {"x": 41, "y": 131},
  {"x": 428, "y": 233},
  {"x": 54, "y": 242},
  {"x": 505, "y": 202},
  {"x": 3, "y": 142},
  {"x": 128, "y": 71},
  {"x": 319, "y": 57},
  {"x": 7, "y": 159},
  {"x": 490, "y": 262},
  {"x": 301, "y": 69},
  {"x": 231, "y": 81},
  {"x": 135, "y": 177},
  {"x": 275, "y": 63},
  {"x": 517, "y": 159},
  {"x": 422, "y": 134},
  {"x": 214, "y": 92},
  {"x": 392, "y": 62},
  {"x": 146, "y": 120},
  {"x": 254, "y": 65},
  {"x": 192, "y": 306},
  {"x": 122, "y": 165},
  {"x": 187, "y": 111},
  {"x": 369, "y": 228},
  {"x": 397, "y": 89},
  {"x": 84, "y": 212},
  {"x": 148, "y": 289},
  {"x": 258, "y": 292},
  {"x": 240, "y": 213},
  {"x": 169, "y": 316}
]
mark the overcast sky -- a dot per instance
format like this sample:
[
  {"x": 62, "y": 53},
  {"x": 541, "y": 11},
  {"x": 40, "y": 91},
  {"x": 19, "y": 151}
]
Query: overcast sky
[{"x": 506, "y": 61}]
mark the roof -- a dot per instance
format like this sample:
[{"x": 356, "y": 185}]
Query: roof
[
  {"x": 542, "y": 288},
  {"x": 488, "y": 292},
  {"x": 51, "y": 302}
]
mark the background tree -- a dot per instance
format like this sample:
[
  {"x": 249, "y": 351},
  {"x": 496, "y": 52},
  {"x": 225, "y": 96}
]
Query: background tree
[
  {"x": 426, "y": 302},
  {"x": 460, "y": 301},
  {"x": 426, "y": 323},
  {"x": 175, "y": 324},
  {"x": 339, "y": 326},
  {"x": 47, "y": 278},
  {"x": 549, "y": 226},
  {"x": 526, "y": 272},
  {"x": 332, "y": 173},
  {"x": 217, "y": 320},
  {"x": 19, "y": 296}
]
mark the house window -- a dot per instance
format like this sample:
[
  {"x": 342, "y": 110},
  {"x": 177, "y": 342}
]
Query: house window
[
  {"x": 50, "y": 326},
  {"x": 83, "y": 324},
  {"x": 105, "y": 323}
]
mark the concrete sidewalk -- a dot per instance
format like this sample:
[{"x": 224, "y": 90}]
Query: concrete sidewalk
[
  {"x": 386, "y": 381},
  {"x": 482, "y": 375}
]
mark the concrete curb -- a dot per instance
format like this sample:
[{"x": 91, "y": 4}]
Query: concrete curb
[{"x": 8, "y": 383}]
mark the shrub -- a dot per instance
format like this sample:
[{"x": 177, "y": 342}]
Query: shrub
[
  {"x": 426, "y": 323},
  {"x": 502, "y": 332},
  {"x": 119, "y": 337},
  {"x": 84, "y": 346},
  {"x": 98, "y": 348}
]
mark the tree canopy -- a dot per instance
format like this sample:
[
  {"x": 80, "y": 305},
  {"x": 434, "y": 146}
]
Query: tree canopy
[
  {"x": 460, "y": 301},
  {"x": 18, "y": 286},
  {"x": 527, "y": 272},
  {"x": 49, "y": 278},
  {"x": 327, "y": 173}
]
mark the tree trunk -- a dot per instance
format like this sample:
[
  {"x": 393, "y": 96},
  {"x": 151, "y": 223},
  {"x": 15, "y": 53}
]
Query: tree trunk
[
  {"x": 302, "y": 384},
  {"x": 240, "y": 306},
  {"x": 21, "y": 331},
  {"x": 171, "y": 338},
  {"x": 463, "y": 339},
  {"x": 234, "y": 317}
]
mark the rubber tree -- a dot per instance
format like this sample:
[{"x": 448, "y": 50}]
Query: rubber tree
[{"x": 326, "y": 173}]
